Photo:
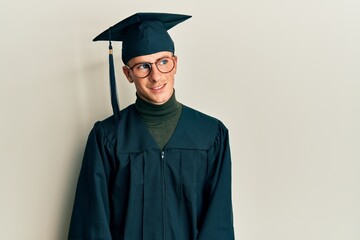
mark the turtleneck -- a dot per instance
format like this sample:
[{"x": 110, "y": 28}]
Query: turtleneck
[{"x": 161, "y": 120}]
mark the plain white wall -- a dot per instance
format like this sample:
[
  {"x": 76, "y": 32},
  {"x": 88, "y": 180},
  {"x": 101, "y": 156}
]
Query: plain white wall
[{"x": 284, "y": 76}]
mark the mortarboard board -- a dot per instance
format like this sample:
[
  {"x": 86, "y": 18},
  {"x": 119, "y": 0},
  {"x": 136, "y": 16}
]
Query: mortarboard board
[{"x": 141, "y": 34}]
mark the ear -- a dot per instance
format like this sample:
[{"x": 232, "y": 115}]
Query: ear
[
  {"x": 126, "y": 72},
  {"x": 176, "y": 61}
]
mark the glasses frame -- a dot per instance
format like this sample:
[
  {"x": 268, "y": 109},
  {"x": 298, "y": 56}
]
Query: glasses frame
[{"x": 156, "y": 64}]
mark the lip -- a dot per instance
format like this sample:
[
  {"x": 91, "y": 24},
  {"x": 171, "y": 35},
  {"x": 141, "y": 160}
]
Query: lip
[{"x": 158, "y": 88}]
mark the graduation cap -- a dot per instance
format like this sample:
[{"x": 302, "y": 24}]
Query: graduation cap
[{"x": 141, "y": 34}]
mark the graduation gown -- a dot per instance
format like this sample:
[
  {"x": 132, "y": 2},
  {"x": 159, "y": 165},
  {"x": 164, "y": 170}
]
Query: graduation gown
[{"x": 129, "y": 189}]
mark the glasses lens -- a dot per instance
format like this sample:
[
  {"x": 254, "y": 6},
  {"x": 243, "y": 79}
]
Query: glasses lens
[
  {"x": 165, "y": 65},
  {"x": 141, "y": 70}
]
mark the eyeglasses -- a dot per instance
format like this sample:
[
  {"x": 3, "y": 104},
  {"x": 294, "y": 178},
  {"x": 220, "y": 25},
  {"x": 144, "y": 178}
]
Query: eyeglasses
[{"x": 164, "y": 65}]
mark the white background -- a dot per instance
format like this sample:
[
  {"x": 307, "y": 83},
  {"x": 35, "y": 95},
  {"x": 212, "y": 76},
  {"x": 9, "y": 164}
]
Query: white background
[{"x": 284, "y": 76}]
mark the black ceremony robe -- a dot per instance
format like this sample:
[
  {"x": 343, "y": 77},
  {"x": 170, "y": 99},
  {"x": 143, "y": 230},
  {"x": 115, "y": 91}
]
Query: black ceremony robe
[{"x": 129, "y": 189}]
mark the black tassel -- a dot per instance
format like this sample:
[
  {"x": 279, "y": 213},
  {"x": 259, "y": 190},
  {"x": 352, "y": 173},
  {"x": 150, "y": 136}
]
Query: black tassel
[{"x": 114, "y": 100}]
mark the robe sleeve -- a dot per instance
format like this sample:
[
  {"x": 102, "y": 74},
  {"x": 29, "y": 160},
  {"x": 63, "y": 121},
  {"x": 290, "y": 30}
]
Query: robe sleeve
[
  {"x": 90, "y": 218},
  {"x": 217, "y": 221}
]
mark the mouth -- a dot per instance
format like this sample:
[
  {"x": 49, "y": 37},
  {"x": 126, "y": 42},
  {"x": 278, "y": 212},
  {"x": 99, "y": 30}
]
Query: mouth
[{"x": 157, "y": 88}]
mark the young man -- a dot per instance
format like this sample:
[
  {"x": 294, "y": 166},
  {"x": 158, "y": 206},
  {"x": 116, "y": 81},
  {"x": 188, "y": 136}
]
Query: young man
[{"x": 157, "y": 170}]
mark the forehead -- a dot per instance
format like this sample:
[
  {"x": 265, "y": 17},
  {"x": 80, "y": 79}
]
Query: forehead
[{"x": 149, "y": 58}]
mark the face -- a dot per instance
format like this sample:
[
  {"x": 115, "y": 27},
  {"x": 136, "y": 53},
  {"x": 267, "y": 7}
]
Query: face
[{"x": 157, "y": 88}]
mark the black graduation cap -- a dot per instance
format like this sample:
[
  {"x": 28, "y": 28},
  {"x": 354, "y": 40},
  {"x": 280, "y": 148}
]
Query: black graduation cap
[{"x": 141, "y": 34}]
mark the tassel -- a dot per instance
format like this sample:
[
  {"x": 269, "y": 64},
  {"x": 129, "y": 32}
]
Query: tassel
[{"x": 114, "y": 100}]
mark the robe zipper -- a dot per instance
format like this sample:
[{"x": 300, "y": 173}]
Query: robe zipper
[{"x": 164, "y": 193}]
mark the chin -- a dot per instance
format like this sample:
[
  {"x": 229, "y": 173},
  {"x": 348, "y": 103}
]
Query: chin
[{"x": 159, "y": 101}]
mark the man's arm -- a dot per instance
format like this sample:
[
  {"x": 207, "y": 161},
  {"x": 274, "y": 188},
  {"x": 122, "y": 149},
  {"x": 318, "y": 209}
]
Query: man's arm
[
  {"x": 217, "y": 222},
  {"x": 91, "y": 213}
]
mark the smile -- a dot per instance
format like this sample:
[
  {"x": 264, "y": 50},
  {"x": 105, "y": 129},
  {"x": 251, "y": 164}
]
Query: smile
[{"x": 158, "y": 87}]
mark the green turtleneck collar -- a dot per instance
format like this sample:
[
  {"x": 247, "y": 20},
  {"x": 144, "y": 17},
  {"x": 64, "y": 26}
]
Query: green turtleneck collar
[
  {"x": 152, "y": 113},
  {"x": 161, "y": 120}
]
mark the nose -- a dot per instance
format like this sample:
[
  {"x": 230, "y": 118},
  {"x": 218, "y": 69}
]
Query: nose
[{"x": 155, "y": 74}]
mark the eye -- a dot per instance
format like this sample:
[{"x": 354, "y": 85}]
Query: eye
[
  {"x": 163, "y": 61},
  {"x": 142, "y": 66}
]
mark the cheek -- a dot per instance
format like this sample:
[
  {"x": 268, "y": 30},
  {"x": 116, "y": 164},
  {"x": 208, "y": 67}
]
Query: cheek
[
  {"x": 172, "y": 78},
  {"x": 139, "y": 86}
]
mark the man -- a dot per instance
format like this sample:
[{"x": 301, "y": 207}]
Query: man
[{"x": 157, "y": 170}]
